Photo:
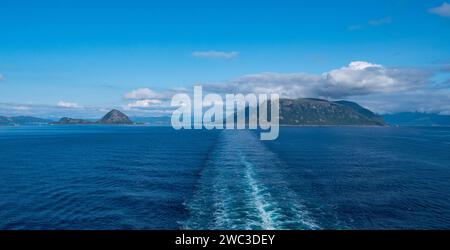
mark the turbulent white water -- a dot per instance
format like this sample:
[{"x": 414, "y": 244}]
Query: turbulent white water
[{"x": 242, "y": 186}]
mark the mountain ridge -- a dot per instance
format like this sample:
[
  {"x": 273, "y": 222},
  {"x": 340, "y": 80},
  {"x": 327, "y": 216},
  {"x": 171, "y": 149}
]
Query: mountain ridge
[{"x": 313, "y": 111}]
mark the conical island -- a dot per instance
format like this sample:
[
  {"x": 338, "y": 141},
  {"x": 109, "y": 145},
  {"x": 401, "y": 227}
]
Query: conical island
[{"x": 115, "y": 117}]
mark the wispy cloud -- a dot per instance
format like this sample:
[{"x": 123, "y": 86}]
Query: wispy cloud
[
  {"x": 443, "y": 10},
  {"x": 146, "y": 103},
  {"x": 215, "y": 54},
  {"x": 1, "y": 77},
  {"x": 68, "y": 105},
  {"x": 374, "y": 23},
  {"x": 142, "y": 93}
]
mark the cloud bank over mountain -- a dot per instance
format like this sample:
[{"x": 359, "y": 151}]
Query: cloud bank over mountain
[
  {"x": 379, "y": 88},
  {"x": 356, "y": 79}
]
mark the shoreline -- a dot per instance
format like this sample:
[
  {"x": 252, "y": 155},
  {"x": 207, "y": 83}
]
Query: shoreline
[{"x": 168, "y": 125}]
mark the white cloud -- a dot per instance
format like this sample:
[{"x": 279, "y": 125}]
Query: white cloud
[
  {"x": 146, "y": 103},
  {"x": 215, "y": 54},
  {"x": 374, "y": 22},
  {"x": 68, "y": 105},
  {"x": 443, "y": 10},
  {"x": 21, "y": 108},
  {"x": 362, "y": 78},
  {"x": 142, "y": 93},
  {"x": 358, "y": 78},
  {"x": 1, "y": 77}
]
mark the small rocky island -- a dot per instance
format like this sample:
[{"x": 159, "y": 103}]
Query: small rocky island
[{"x": 113, "y": 117}]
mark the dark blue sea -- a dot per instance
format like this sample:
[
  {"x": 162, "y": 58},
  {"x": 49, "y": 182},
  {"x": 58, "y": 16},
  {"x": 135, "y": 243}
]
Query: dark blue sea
[{"x": 137, "y": 177}]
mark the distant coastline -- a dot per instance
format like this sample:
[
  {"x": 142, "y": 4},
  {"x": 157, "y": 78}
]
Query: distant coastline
[{"x": 302, "y": 112}]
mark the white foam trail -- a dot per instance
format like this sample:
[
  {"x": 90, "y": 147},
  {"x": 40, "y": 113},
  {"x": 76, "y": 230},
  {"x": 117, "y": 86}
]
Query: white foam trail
[
  {"x": 231, "y": 195},
  {"x": 260, "y": 202},
  {"x": 221, "y": 216},
  {"x": 269, "y": 211}
]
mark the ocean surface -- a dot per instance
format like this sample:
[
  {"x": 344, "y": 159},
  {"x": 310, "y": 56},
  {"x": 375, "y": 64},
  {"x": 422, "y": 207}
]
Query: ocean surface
[{"x": 138, "y": 177}]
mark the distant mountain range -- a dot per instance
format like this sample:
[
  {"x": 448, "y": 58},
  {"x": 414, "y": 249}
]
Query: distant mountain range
[
  {"x": 417, "y": 119},
  {"x": 22, "y": 120},
  {"x": 293, "y": 112}
]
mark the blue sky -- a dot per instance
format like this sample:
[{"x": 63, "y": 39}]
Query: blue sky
[{"x": 83, "y": 57}]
